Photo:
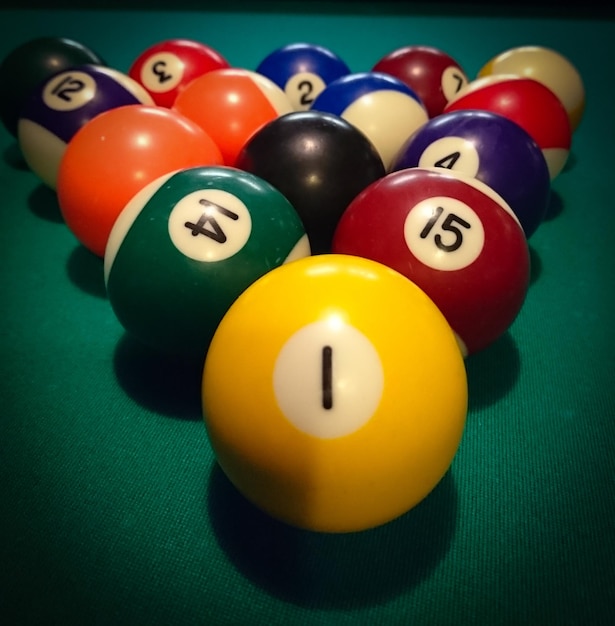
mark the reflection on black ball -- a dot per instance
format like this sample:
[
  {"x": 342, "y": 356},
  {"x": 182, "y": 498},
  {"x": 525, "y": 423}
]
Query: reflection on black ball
[{"x": 319, "y": 162}]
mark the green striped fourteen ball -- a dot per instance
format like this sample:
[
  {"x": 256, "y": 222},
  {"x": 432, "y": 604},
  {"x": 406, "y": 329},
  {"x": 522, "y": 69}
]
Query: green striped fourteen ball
[{"x": 187, "y": 245}]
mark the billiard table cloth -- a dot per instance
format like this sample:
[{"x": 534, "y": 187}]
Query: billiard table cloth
[{"x": 112, "y": 507}]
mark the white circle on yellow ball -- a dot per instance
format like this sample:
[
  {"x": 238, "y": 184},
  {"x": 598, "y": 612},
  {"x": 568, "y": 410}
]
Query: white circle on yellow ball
[{"x": 328, "y": 378}]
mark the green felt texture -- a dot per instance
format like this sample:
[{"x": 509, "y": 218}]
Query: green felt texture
[{"x": 112, "y": 509}]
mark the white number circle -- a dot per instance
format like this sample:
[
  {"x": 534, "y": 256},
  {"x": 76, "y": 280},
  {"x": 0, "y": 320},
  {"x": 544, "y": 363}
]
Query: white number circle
[
  {"x": 444, "y": 233},
  {"x": 453, "y": 81},
  {"x": 210, "y": 225},
  {"x": 162, "y": 72},
  {"x": 328, "y": 379},
  {"x": 302, "y": 89},
  {"x": 452, "y": 153},
  {"x": 69, "y": 91}
]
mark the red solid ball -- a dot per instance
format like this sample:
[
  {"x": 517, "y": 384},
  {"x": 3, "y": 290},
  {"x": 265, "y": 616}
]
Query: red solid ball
[
  {"x": 435, "y": 76},
  {"x": 454, "y": 237},
  {"x": 167, "y": 67}
]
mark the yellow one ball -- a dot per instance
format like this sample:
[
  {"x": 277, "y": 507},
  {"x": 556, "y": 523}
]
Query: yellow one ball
[
  {"x": 334, "y": 394},
  {"x": 548, "y": 67}
]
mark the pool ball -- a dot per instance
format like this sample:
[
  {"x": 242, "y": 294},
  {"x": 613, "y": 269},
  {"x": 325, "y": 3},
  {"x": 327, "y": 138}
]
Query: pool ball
[
  {"x": 166, "y": 67},
  {"x": 31, "y": 63},
  {"x": 302, "y": 70},
  {"x": 528, "y": 103},
  {"x": 435, "y": 76},
  {"x": 384, "y": 108},
  {"x": 319, "y": 161},
  {"x": 187, "y": 245},
  {"x": 115, "y": 155},
  {"x": 547, "y": 66},
  {"x": 489, "y": 147},
  {"x": 231, "y": 105},
  {"x": 60, "y": 106},
  {"x": 349, "y": 405},
  {"x": 454, "y": 237}
]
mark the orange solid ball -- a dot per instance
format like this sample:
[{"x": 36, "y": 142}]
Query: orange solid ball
[
  {"x": 231, "y": 104},
  {"x": 115, "y": 155}
]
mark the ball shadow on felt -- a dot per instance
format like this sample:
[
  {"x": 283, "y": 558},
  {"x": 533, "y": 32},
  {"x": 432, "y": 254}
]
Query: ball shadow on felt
[
  {"x": 167, "y": 385},
  {"x": 43, "y": 202},
  {"x": 85, "y": 270},
  {"x": 535, "y": 265},
  {"x": 555, "y": 207},
  {"x": 323, "y": 570},
  {"x": 14, "y": 158},
  {"x": 493, "y": 372}
]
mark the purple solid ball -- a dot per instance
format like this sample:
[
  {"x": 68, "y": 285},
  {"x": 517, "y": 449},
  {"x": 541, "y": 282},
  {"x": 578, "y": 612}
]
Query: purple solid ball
[{"x": 490, "y": 148}]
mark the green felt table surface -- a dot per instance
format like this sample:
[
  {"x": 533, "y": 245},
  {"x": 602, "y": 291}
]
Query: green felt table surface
[{"x": 112, "y": 507}]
